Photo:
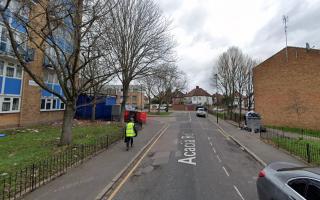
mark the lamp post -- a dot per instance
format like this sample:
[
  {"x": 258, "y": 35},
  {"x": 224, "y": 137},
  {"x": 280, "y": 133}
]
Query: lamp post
[
  {"x": 216, "y": 77},
  {"x": 141, "y": 98}
]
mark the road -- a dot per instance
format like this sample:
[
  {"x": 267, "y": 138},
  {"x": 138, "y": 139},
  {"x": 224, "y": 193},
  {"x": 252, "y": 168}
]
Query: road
[{"x": 192, "y": 160}]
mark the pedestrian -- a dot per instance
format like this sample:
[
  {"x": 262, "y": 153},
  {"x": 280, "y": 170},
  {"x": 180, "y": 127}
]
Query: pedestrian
[{"x": 130, "y": 132}]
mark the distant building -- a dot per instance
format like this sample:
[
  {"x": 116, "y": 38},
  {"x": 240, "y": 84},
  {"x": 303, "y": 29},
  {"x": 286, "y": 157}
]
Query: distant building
[
  {"x": 287, "y": 89},
  {"x": 198, "y": 96},
  {"x": 136, "y": 96},
  {"x": 178, "y": 98}
]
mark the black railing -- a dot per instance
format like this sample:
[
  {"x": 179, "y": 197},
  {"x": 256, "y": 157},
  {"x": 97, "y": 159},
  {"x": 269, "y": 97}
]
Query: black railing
[
  {"x": 304, "y": 146},
  {"x": 15, "y": 185}
]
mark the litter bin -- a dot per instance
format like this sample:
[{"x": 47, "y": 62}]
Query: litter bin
[{"x": 253, "y": 122}]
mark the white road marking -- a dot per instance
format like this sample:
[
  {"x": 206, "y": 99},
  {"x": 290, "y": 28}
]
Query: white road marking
[
  {"x": 211, "y": 143},
  {"x": 189, "y": 149},
  {"x": 218, "y": 158},
  {"x": 189, "y": 117},
  {"x": 209, "y": 138},
  {"x": 235, "y": 187},
  {"x": 214, "y": 150},
  {"x": 225, "y": 171}
]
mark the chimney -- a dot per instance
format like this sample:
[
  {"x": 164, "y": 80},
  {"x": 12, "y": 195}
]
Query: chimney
[{"x": 197, "y": 87}]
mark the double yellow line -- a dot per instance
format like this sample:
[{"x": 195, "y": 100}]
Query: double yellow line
[{"x": 124, "y": 180}]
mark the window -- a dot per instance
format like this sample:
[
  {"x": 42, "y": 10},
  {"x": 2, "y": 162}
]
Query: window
[
  {"x": 51, "y": 104},
  {"x": 10, "y": 72},
  {"x": 1, "y": 68},
  {"x": 15, "y": 104},
  {"x": 313, "y": 192},
  {"x": 298, "y": 185},
  {"x": 6, "y": 104},
  {"x": 19, "y": 72},
  {"x": 9, "y": 104}
]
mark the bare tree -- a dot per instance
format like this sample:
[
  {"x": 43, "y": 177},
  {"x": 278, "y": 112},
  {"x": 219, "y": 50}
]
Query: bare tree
[
  {"x": 234, "y": 70},
  {"x": 139, "y": 39},
  {"x": 249, "y": 88},
  {"x": 148, "y": 84},
  {"x": 66, "y": 35}
]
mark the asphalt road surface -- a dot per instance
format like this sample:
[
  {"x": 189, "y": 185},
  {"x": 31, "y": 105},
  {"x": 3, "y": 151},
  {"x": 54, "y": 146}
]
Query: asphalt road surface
[{"x": 193, "y": 160}]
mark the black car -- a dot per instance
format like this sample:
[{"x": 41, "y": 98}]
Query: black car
[{"x": 287, "y": 181}]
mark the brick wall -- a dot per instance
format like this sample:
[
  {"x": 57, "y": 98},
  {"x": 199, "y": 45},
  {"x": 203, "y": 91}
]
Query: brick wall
[
  {"x": 9, "y": 120},
  {"x": 287, "y": 93}
]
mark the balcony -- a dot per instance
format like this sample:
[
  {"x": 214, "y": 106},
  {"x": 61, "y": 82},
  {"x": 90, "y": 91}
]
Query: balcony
[{"x": 6, "y": 52}]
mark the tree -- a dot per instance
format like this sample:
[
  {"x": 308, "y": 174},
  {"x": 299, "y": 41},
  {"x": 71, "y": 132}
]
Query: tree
[
  {"x": 139, "y": 39},
  {"x": 66, "y": 34},
  {"x": 249, "y": 89},
  {"x": 234, "y": 71}
]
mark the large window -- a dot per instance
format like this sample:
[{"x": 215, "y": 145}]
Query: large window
[
  {"x": 51, "y": 104},
  {"x": 9, "y": 104}
]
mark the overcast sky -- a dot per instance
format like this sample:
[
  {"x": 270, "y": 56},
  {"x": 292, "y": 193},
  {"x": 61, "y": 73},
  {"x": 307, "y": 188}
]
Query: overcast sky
[{"x": 204, "y": 29}]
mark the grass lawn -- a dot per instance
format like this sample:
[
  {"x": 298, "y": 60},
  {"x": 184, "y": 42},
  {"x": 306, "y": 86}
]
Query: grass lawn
[
  {"x": 160, "y": 113},
  {"x": 309, "y": 132},
  {"x": 299, "y": 147},
  {"x": 22, "y": 147}
]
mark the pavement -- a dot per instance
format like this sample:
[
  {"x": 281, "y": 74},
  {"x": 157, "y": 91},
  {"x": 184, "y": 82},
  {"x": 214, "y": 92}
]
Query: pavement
[
  {"x": 86, "y": 181},
  {"x": 262, "y": 152}
]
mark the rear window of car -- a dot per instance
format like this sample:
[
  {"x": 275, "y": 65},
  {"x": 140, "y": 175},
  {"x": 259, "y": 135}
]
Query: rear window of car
[{"x": 299, "y": 185}]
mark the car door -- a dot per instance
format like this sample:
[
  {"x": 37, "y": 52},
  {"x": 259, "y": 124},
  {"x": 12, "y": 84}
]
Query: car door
[{"x": 313, "y": 190}]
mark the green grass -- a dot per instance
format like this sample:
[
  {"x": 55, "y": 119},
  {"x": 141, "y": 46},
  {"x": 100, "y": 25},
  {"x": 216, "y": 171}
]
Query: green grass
[
  {"x": 22, "y": 147},
  {"x": 309, "y": 132},
  {"x": 160, "y": 113},
  {"x": 298, "y": 147}
]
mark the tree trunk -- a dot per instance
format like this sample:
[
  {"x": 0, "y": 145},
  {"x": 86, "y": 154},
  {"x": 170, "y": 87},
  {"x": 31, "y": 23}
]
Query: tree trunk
[
  {"x": 240, "y": 109},
  {"x": 66, "y": 134},
  {"x": 94, "y": 105},
  {"x": 149, "y": 98},
  {"x": 124, "y": 101}
]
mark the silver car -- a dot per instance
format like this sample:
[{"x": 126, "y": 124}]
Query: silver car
[
  {"x": 201, "y": 112},
  {"x": 287, "y": 181}
]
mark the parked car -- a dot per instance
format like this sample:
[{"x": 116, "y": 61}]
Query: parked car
[
  {"x": 201, "y": 112},
  {"x": 162, "y": 107},
  {"x": 287, "y": 181}
]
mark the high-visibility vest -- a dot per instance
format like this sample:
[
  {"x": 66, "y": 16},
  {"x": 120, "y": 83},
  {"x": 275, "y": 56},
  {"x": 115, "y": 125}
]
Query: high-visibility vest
[{"x": 130, "y": 130}]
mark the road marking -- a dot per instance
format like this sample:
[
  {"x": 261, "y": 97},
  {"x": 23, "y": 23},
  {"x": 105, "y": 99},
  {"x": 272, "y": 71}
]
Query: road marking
[
  {"x": 218, "y": 158},
  {"x": 189, "y": 117},
  {"x": 116, "y": 190},
  {"x": 214, "y": 150},
  {"x": 211, "y": 143},
  {"x": 225, "y": 170},
  {"x": 235, "y": 187},
  {"x": 209, "y": 138},
  {"x": 189, "y": 149},
  {"x": 225, "y": 135}
]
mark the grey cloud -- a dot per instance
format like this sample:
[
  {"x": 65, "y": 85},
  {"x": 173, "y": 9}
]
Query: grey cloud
[{"x": 303, "y": 26}]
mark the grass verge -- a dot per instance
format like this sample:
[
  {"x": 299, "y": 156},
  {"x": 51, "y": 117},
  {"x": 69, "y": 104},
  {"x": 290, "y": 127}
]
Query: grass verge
[
  {"x": 309, "y": 132},
  {"x": 299, "y": 147},
  {"x": 23, "y": 147}
]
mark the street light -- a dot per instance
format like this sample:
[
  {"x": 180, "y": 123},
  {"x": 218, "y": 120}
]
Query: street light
[{"x": 216, "y": 77}]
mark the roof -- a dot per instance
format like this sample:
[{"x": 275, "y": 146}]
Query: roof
[
  {"x": 178, "y": 94},
  {"x": 198, "y": 91}
]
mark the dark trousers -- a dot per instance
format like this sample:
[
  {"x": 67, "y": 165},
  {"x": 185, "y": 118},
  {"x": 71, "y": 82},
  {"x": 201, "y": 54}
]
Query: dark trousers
[{"x": 128, "y": 140}]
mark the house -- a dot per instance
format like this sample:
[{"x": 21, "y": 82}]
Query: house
[
  {"x": 22, "y": 101},
  {"x": 177, "y": 98},
  {"x": 286, "y": 87},
  {"x": 198, "y": 96}
]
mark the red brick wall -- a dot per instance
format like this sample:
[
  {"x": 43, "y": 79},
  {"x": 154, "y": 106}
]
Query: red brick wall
[{"x": 288, "y": 93}]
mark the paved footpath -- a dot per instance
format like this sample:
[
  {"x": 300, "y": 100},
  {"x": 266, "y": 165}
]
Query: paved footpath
[
  {"x": 89, "y": 179},
  {"x": 267, "y": 153}
]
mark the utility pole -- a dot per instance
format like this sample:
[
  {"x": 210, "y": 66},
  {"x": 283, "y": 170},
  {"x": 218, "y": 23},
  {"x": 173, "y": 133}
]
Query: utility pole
[
  {"x": 216, "y": 76},
  {"x": 285, "y": 20}
]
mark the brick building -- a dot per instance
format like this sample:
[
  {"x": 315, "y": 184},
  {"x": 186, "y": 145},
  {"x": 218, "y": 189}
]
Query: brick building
[
  {"x": 136, "y": 95},
  {"x": 287, "y": 89},
  {"x": 22, "y": 101}
]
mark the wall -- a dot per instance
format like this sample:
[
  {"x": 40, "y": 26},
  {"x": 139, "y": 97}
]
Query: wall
[
  {"x": 287, "y": 93},
  {"x": 9, "y": 120}
]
